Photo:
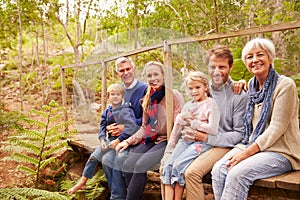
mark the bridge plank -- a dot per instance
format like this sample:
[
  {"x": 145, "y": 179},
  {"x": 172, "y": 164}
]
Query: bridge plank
[{"x": 290, "y": 182}]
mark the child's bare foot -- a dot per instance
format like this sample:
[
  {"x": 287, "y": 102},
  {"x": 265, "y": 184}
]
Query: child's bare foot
[{"x": 78, "y": 186}]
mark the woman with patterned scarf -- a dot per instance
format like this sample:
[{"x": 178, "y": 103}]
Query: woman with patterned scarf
[
  {"x": 271, "y": 144},
  {"x": 151, "y": 140}
]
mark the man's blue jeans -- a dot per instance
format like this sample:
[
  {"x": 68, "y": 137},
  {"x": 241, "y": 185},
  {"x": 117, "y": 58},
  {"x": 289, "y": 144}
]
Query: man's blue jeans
[{"x": 235, "y": 183}]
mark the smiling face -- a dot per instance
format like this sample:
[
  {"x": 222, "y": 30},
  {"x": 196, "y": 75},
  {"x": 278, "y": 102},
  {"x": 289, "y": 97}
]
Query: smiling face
[
  {"x": 115, "y": 98},
  {"x": 258, "y": 62},
  {"x": 197, "y": 90},
  {"x": 218, "y": 69},
  {"x": 154, "y": 76},
  {"x": 126, "y": 72}
]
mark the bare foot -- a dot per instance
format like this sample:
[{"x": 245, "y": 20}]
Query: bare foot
[{"x": 78, "y": 186}]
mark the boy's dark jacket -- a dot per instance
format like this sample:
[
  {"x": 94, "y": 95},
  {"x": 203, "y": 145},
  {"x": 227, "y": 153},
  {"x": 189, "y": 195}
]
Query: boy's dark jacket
[{"x": 122, "y": 114}]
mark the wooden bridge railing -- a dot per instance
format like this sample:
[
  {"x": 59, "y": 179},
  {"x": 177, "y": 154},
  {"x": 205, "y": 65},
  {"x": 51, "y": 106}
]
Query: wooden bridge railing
[{"x": 167, "y": 52}]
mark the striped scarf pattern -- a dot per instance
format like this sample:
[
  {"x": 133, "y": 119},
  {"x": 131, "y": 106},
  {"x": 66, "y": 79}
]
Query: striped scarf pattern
[{"x": 152, "y": 127}]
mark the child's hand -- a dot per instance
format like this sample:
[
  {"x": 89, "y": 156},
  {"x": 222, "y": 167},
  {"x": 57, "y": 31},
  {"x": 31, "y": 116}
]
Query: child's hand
[
  {"x": 103, "y": 145},
  {"x": 114, "y": 143},
  {"x": 185, "y": 118},
  {"x": 187, "y": 115}
]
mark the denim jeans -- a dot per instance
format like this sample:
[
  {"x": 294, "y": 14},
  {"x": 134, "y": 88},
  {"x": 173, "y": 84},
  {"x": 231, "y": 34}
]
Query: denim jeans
[
  {"x": 183, "y": 154},
  {"x": 235, "y": 183},
  {"x": 114, "y": 175},
  {"x": 95, "y": 158},
  {"x": 141, "y": 158}
]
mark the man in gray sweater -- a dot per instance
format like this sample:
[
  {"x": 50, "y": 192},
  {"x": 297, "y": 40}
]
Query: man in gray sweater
[{"x": 232, "y": 108}]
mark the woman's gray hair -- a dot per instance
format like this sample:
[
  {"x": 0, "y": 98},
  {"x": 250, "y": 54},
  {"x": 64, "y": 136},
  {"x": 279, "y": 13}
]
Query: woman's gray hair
[{"x": 264, "y": 43}]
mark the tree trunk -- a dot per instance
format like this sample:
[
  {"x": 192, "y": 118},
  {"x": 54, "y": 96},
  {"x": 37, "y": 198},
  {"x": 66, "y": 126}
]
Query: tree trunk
[{"x": 20, "y": 54}]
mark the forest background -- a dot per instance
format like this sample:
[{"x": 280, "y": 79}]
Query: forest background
[{"x": 38, "y": 37}]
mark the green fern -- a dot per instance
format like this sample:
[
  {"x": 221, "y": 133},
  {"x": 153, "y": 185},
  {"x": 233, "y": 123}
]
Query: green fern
[
  {"x": 39, "y": 141},
  {"x": 29, "y": 193},
  {"x": 94, "y": 187}
]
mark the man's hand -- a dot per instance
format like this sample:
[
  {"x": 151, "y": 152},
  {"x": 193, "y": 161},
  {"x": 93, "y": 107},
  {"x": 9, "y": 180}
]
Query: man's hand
[
  {"x": 238, "y": 86},
  {"x": 114, "y": 143},
  {"x": 122, "y": 146},
  {"x": 115, "y": 129},
  {"x": 201, "y": 136},
  {"x": 198, "y": 135}
]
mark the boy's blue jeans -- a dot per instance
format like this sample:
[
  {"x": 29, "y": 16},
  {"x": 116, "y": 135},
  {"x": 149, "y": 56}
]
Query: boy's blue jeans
[{"x": 95, "y": 158}]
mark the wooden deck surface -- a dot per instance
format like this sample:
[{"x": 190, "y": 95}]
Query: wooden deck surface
[{"x": 87, "y": 140}]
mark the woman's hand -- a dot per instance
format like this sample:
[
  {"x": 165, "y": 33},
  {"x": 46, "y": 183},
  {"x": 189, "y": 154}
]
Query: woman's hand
[
  {"x": 242, "y": 155},
  {"x": 122, "y": 146},
  {"x": 114, "y": 143},
  {"x": 163, "y": 160},
  {"x": 237, "y": 158}
]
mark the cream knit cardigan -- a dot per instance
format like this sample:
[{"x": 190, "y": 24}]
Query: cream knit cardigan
[{"x": 282, "y": 134}]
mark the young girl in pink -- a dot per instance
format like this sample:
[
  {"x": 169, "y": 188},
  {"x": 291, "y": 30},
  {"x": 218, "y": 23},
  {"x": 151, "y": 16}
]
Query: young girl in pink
[{"x": 201, "y": 114}]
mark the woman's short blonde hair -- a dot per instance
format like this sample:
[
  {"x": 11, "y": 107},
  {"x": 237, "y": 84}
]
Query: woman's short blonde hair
[{"x": 264, "y": 43}]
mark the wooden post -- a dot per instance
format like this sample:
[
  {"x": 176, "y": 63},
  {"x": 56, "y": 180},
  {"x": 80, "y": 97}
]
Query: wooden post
[
  {"x": 104, "y": 84},
  {"x": 169, "y": 86},
  {"x": 64, "y": 94}
]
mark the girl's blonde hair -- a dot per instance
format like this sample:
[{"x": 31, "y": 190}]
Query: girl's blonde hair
[
  {"x": 115, "y": 87},
  {"x": 146, "y": 100},
  {"x": 198, "y": 76}
]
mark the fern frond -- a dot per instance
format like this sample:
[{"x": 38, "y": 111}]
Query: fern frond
[
  {"x": 55, "y": 118},
  {"x": 30, "y": 193},
  {"x": 60, "y": 146},
  {"x": 24, "y": 158},
  {"x": 39, "y": 113},
  {"x": 27, "y": 170},
  {"x": 54, "y": 138},
  {"x": 33, "y": 134},
  {"x": 8, "y": 194},
  {"x": 46, "y": 162},
  {"x": 34, "y": 122},
  {"x": 60, "y": 126},
  {"x": 57, "y": 110},
  {"x": 25, "y": 145}
]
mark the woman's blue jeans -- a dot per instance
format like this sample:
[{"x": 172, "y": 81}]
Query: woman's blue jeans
[{"x": 235, "y": 183}]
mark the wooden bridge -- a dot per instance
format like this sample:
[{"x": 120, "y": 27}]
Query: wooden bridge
[{"x": 285, "y": 186}]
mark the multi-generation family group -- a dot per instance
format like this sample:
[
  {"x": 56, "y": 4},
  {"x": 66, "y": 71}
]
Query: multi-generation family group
[{"x": 237, "y": 136}]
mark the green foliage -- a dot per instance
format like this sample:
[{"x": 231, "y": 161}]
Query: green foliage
[
  {"x": 40, "y": 140},
  {"x": 94, "y": 187},
  {"x": 9, "y": 120},
  {"x": 29, "y": 193}
]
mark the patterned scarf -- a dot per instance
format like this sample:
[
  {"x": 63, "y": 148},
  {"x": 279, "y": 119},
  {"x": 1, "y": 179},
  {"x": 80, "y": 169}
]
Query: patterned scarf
[
  {"x": 255, "y": 97},
  {"x": 152, "y": 129}
]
